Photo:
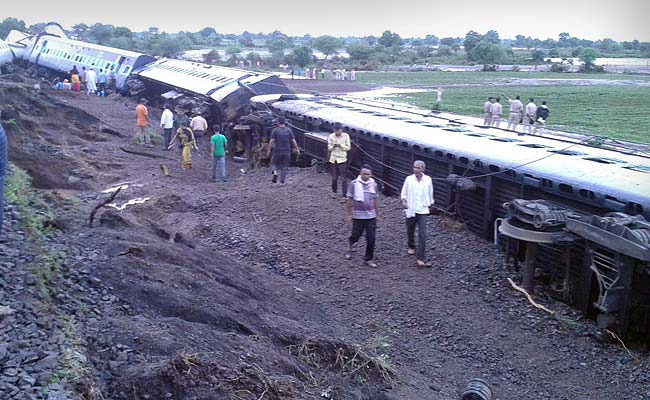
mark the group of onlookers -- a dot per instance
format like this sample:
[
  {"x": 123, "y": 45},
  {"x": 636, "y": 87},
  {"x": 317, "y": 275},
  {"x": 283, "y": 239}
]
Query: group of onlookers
[
  {"x": 93, "y": 82},
  {"x": 532, "y": 117}
]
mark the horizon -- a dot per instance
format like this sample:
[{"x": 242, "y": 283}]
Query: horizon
[{"x": 623, "y": 21}]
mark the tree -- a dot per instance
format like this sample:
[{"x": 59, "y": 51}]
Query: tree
[
  {"x": 101, "y": 33},
  {"x": 10, "y": 24},
  {"x": 207, "y": 31},
  {"x": 360, "y": 51},
  {"x": 233, "y": 52},
  {"x": 443, "y": 50},
  {"x": 588, "y": 57},
  {"x": 487, "y": 53},
  {"x": 327, "y": 44},
  {"x": 246, "y": 39},
  {"x": 423, "y": 51},
  {"x": 553, "y": 52},
  {"x": 564, "y": 38},
  {"x": 537, "y": 56},
  {"x": 276, "y": 45},
  {"x": 302, "y": 56},
  {"x": 390, "y": 39},
  {"x": 80, "y": 30},
  {"x": 471, "y": 40},
  {"x": 166, "y": 46},
  {"x": 121, "y": 43},
  {"x": 122, "y": 31},
  {"x": 211, "y": 57},
  {"x": 448, "y": 41},
  {"x": 35, "y": 28},
  {"x": 491, "y": 36},
  {"x": 153, "y": 30},
  {"x": 431, "y": 40}
]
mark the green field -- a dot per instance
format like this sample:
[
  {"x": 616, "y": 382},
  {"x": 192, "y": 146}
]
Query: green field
[{"x": 614, "y": 111}]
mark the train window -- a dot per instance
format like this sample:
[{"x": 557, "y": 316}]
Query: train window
[
  {"x": 417, "y": 148},
  {"x": 547, "y": 183},
  {"x": 532, "y": 145},
  {"x": 510, "y": 140},
  {"x": 639, "y": 168},
  {"x": 395, "y": 141},
  {"x": 511, "y": 172},
  {"x": 587, "y": 194},
  {"x": 604, "y": 160},
  {"x": 451, "y": 156},
  {"x": 126, "y": 70},
  {"x": 567, "y": 152},
  {"x": 427, "y": 150},
  {"x": 494, "y": 168},
  {"x": 384, "y": 138},
  {"x": 565, "y": 188},
  {"x": 405, "y": 144},
  {"x": 464, "y": 160},
  {"x": 439, "y": 153},
  {"x": 475, "y": 134}
]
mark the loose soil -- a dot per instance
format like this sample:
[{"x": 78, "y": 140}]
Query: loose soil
[{"x": 239, "y": 289}]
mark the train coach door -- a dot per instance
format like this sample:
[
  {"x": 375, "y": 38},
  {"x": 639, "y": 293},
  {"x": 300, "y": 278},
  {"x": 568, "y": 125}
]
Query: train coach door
[
  {"x": 118, "y": 79},
  {"x": 41, "y": 51}
]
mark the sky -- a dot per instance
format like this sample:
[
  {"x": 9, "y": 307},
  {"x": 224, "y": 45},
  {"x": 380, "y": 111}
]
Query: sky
[{"x": 620, "y": 20}]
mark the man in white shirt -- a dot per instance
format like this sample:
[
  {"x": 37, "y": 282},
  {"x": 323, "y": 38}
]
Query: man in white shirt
[
  {"x": 487, "y": 111},
  {"x": 91, "y": 82},
  {"x": 515, "y": 116},
  {"x": 198, "y": 125},
  {"x": 531, "y": 115},
  {"x": 417, "y": 197},
  {"x": 497, "y": 109},
  {"x": 167, "y": 124}
]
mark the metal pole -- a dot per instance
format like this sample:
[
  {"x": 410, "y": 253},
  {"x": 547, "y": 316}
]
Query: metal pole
[{"x": 529, "y": 267}]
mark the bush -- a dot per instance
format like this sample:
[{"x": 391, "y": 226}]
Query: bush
[{"x": 555, "y": 67}]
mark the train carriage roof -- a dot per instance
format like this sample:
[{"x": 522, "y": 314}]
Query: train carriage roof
[{"x": 597, "y": 169}]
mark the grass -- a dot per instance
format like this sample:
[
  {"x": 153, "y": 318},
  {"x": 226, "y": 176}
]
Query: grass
[
  {"x": 614, "y": 111},
  {"x": 434, "y": 78}
]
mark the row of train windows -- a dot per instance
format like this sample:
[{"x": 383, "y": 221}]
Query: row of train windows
[
  {"x": 197, "y": 74},
  {"x": 91, "y": 61}
]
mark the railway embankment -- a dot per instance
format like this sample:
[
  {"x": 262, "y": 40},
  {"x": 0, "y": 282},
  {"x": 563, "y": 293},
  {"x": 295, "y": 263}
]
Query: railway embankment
[{"x": 189, "y": 289}]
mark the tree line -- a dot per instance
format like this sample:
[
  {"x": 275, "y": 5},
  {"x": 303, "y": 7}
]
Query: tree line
[{"x": 364, "y": 52}]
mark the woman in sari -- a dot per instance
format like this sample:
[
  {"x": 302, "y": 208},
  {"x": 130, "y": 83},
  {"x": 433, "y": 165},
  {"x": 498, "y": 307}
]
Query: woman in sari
[
  {"x": 186, "y": 139},
  {"x": 75, "y": 79}
]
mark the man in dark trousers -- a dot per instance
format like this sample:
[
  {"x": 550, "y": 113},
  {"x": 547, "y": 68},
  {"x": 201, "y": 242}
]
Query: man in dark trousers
[
  {"x": 363, "y": 212},
  {"x": 338, "y": 145},
  {"x": 281, "y": 143}
]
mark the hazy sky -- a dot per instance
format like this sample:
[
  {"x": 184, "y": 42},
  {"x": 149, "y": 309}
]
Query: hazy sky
[{"x": 617, "y": 19}]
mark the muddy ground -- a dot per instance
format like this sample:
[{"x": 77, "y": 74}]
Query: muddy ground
[{"x": 239, "y": 289}]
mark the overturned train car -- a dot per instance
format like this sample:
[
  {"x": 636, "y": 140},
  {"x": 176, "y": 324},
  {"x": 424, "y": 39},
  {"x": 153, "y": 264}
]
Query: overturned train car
[
  {"x": 477, "y": 169},
  {"x": 217, "y": 92}
]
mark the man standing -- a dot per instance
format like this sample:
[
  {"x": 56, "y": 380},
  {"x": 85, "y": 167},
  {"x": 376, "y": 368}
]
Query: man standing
[
  {"x": 142, "y": 123},
  {"x": 487, "y": 111},
  {"x": 363, "y": 212},
  {"x": 4, "y": 147},
  {"x": 91, "y": 82},
  {"x": 218, "y": 143},
  {"x": 281, "y": 142},
  {"x": 540, "y": 118},
  {"x": 167, "y": 124},
  {"x": 515, "y": 116},
  {"x": 338, "y": 145},
  {"x": 531, "y": 115},
  {"x": 438, "y": 104},
  {"x": 497, "y": 109},
  {"x": 417, "y": 197},
  {"x": 198, "y": 125},
  {"x": 102, "y": 80}
]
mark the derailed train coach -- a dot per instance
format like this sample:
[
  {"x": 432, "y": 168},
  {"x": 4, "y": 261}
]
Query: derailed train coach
[
  {"x": 219, "y": 93},
  {"x": 6, "y": 53},
  {"x": 573, "y": 195},
  {"x": 53, "y": 50},
  {"x": 222, "y": 91}
]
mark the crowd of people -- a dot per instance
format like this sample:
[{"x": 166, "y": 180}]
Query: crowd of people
[
  {"x": 92, "y": 82},
  {"x": 531, "y": 117},
  {"x": 361, "y": 195}
]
